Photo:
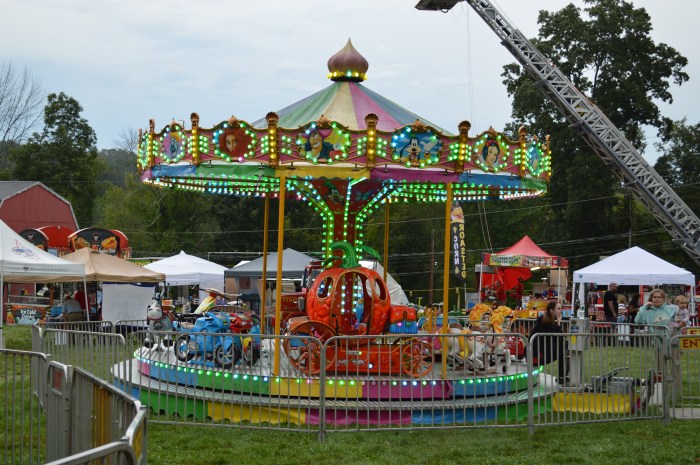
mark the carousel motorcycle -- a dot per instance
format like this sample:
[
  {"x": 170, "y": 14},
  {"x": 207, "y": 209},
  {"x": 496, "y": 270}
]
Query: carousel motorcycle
[
  {"x": 247, "y": 326},
  {"x": 208, "y": 338},
  {"x": 158, "y": 320}
]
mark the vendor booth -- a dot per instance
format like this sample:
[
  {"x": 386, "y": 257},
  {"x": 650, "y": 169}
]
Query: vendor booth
[
  {"x": 21, "y": 262},
  {"x": 124, "y": 296},
  {"x": 634, "y": 266},
  {"x": 505, "y": 270}
]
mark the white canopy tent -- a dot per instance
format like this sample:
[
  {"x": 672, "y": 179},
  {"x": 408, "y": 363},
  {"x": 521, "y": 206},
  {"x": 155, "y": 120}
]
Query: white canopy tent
[
  {"x": 396, "y": 293},
  {"x": 183, "y": 270},
  {"x": 22, "y": 262},
  {"x": 633, "y": 266}
]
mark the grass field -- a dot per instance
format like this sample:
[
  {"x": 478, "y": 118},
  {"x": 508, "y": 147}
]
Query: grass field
[{"x": 632, "y": 442}]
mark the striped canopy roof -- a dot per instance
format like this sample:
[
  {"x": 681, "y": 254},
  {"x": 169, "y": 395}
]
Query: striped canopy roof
[{"x": 347, "y": 103}]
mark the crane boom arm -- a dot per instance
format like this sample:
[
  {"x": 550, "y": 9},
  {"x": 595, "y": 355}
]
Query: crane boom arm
[{"x": 597, "y": 130}]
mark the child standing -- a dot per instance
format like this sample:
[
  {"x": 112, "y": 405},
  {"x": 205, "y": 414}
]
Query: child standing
[{"x": 682, "y": 317}]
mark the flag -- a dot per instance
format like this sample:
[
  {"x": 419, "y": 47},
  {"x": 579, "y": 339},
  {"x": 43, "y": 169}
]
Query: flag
[{"x": 459, "y": 248}]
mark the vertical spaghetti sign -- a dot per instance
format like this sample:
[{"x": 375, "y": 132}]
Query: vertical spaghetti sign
[{"x": 459, "y": 248}]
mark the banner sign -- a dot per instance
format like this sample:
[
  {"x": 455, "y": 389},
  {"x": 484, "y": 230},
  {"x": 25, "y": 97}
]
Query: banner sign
[
  {"x": 459, "y": 248},
  {"x": 523, "y": 260},
  {"x": 102, "y": 240},
  {"x": 36, "y": 238},
  {"x": 25, "y": 315}
]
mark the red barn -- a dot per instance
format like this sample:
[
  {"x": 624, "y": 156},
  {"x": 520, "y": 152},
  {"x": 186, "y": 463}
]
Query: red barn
[{"x": 30, "y": 204}]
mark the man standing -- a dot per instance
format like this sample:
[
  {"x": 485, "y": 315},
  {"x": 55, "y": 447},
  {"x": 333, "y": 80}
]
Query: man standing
[
  {"x": 81, "y": 298},
  {"x": 610, "y": 307},
  {"x": 518, "y": 291},
  {"x": 501, "y": 295},
  {"x": 610, "y": 303},
  {"x": 72, "y": 311}
]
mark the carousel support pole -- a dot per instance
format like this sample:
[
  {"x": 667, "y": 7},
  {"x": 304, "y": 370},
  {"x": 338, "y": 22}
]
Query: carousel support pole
[
  {"x": 263, "y": 297},
  {"x": 481, "y": 281},
  {"x": 278, "y": 291},
  {"x": 446, "y": 278},
  {"x": 386, "y": 238},
  {"x": 85, "y": 299},
  {"x": 560, "y": 299}
]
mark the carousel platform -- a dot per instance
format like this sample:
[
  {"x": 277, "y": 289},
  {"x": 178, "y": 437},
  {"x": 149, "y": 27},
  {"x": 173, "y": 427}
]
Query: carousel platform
[{"x": 254, "y": 394}]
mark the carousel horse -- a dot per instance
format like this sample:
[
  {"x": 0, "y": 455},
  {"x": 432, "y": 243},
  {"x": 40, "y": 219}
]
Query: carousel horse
[
  {"x": 464, "y": 347},
  {"x": 496, "y": 345},
  {"x": 158, "y": 320}
]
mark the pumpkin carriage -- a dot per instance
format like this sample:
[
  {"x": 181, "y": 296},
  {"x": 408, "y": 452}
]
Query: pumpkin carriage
[{"x": 349, "y": 300}]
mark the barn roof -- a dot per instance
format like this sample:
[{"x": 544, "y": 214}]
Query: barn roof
[
  {"x": 11, "y": 188},
  {"x": 14, "y": 191}
]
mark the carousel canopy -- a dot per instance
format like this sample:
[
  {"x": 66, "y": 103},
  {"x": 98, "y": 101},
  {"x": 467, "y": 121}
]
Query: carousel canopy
[
  {"x": 347, "y": 132},
  {"x": 345, "y": 151}
]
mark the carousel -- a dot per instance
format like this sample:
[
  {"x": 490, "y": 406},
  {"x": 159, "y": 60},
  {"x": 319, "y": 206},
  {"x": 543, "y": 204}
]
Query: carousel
[{"x": 347, "y": 152}]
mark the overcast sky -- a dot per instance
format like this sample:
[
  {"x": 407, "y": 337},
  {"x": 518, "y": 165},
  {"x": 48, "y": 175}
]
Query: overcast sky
[{"x": 127, "y": 61}]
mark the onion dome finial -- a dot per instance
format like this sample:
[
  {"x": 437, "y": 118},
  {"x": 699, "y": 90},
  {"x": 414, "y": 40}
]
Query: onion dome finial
[{"x": 347, "y": 65}]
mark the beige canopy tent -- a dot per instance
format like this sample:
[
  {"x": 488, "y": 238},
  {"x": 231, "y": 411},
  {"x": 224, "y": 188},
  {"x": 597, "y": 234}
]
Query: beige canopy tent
[
  {"x": 124, "y": 297},
  {"x": 103, "y": 267}
]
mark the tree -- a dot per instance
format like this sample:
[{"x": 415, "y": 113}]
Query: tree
[
  {"x": 63, "y": 156},
  {"x": 680, "y": 164},
  {"x": 160, "y": 221},
  {"x": 127, "y": 140},
  {"x": 608, "y": 54},
  {"x": 119, "y": 163},
  {"x": 20, "y": 108}
]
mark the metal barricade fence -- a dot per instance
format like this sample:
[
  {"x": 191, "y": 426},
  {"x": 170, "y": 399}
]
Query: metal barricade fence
[
  {"x": 114, "y": 452},
  {"x": 126, "y": 327},
  {"x": 594, "y": 379},
  {"x": 92, "y": 351},
  {"x": 86, "y": 326},
  {"x": 87, "y": 413},
  {"x": 233, "y": 388},
  {"x": 356, "y": 383},
  {"x": 408, "y": 382},
  {"x": 685, "y": 376},
  {"x": 22, "y": 418},
  {"x": 344, "y": 383}
]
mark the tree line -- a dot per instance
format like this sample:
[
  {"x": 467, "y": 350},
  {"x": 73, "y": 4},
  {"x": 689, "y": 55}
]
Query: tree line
[{"x": 585, "y": 214}]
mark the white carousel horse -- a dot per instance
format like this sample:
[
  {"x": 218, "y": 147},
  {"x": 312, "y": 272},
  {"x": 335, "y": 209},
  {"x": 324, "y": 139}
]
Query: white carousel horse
[{"x": 158, "y": 320}]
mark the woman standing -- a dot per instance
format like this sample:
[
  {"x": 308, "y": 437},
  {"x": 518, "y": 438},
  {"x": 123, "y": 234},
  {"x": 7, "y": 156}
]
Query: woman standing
[
  {"x": 656, "y": 312},
  {"x": 550, "y": 348}
]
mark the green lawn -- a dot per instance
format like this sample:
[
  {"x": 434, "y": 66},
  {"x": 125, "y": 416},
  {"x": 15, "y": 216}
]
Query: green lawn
[{"x": 633, "y": 443}]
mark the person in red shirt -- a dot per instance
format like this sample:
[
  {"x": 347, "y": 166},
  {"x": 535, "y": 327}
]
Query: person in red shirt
[
  {"x": 518, "y": 290},
  {"x": 501, "y": 295},
  {"x": 81, "y": 297}
]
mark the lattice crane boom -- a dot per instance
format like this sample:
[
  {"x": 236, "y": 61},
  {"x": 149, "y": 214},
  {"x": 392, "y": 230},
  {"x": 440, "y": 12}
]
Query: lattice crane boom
[{"x": 606, "y": 140}]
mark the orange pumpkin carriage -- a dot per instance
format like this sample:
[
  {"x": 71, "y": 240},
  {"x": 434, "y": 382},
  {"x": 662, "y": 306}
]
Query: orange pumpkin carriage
[{"x": 349, "y": 300}]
